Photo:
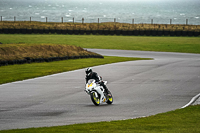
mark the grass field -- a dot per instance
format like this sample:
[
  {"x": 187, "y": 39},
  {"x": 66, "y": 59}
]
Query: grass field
[
  {"x": 178, "y": 121},
  {"x": 144, "y": 43}
]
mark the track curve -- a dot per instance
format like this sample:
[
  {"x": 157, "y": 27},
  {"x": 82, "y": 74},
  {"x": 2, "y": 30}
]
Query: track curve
[{"x": 140, "y": 88}]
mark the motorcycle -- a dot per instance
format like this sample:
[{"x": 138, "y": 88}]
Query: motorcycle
[{"x": 97, "y": 93}]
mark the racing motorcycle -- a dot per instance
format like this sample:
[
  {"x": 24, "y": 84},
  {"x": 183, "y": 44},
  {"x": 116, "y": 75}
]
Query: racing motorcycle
[{"x": 97, "y": 93}]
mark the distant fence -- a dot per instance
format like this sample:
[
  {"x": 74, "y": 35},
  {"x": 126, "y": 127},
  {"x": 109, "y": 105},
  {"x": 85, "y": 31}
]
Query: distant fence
[
  {"x": 101, "y": 32},
  {"x": 135, "y": 32},
  {"x": 97, "y": 20}
]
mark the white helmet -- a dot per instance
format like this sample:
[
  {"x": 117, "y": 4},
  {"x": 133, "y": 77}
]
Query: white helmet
[{"x": 88, "y": 71}]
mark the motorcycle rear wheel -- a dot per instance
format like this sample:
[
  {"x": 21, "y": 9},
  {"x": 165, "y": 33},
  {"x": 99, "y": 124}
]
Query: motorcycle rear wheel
[
  {"x": 95, "y": 99},
  {"x": 110, "y": 100}
]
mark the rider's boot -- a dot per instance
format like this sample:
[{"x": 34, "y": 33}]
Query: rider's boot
[{"x": 107, "y": 91}]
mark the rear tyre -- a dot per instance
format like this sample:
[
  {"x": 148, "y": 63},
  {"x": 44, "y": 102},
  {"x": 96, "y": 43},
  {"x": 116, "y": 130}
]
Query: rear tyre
[
  {"x": 95, "y": 98},
  {"x": 110, "y": 99}
]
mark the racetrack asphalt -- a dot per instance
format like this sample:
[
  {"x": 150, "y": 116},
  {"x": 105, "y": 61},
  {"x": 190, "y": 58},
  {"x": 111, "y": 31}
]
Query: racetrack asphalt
[{"x": 140, "y": 88}]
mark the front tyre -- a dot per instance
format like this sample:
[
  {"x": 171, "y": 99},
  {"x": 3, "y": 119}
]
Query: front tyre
[{"x": 95, "y": 98}]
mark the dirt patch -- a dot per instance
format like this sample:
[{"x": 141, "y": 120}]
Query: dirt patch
[{"x": 20, "y": 53}]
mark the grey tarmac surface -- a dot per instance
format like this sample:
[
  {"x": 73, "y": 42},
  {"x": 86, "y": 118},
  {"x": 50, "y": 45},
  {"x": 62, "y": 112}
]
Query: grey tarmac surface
[{"x": 140, "y": 88}]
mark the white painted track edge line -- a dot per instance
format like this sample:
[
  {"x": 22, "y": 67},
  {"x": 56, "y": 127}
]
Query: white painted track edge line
[{"x": 192, "y": 101}]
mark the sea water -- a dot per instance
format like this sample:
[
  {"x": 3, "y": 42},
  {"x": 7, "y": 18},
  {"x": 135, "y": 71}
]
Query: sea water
[{"x": 124, "y": 11}]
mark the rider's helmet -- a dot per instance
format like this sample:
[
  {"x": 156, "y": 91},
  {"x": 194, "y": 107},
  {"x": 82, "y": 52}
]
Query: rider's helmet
[{"x": 88, "y": 71}]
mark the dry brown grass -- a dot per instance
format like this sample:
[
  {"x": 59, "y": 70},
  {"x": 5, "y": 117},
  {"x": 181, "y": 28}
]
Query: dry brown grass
[
  {"x": 21, "y": 51},
  {"x": 96, "y": 26}
]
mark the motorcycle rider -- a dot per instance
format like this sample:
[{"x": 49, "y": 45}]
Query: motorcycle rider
[{"x": 93, "y": 75}]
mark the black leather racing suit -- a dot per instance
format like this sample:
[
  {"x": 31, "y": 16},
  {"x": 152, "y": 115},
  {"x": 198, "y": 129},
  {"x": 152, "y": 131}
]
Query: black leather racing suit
[{"x": 94, "y": 75}]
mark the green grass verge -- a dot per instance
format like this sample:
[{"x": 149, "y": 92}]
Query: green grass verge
[
  {"x": 178, "y": 121},
  {"x": 26, "y": 71},
  {"x": 144, "y": 43}
]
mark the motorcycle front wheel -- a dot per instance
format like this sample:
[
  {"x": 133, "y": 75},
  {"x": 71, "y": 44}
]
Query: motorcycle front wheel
[{"x": 95, "y": 98}]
